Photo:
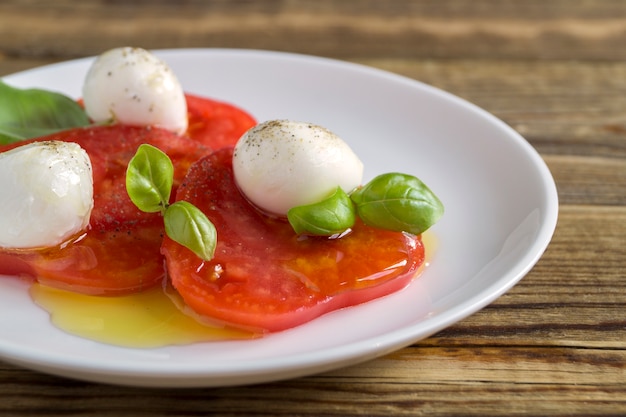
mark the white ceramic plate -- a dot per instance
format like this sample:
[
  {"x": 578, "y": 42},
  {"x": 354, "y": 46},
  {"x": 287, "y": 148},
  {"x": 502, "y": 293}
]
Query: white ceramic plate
[{"x": 501, "y": 210}]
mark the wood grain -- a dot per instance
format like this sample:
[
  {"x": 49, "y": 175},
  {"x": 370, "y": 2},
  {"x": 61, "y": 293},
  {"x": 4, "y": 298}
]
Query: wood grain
[
  {"x": 359, "y": 28},
  {"x": 555, "y": 344}
]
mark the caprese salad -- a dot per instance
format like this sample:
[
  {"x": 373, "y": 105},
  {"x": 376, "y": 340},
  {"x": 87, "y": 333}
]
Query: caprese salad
[{"x": 258, "y": 226}]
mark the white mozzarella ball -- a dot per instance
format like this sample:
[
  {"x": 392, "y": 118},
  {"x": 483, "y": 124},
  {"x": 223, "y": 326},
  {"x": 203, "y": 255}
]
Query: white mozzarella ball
[
  {"x": 46, "y": 194},
  {"x": 132, "y": 86},
  {"x": 282, "y": 164}
]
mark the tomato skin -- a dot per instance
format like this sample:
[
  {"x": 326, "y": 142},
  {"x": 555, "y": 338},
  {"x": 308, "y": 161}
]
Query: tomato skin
[
  {"x": 263, "y": 276},
  {"x": 101, "y": 262},
  {"x": 13, "y": 265},
  {"x": 214, "y": 123}
]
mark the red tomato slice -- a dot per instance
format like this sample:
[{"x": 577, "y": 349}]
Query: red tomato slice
[
  {"x": 215, "y": 123},
  {"x": 102, "y": 262},
  {"x": 120, "y": 251},
  {"x": 263, "y": 277}
]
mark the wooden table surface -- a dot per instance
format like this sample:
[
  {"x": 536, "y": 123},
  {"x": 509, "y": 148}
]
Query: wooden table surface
[{"x": 555, "y": 345}]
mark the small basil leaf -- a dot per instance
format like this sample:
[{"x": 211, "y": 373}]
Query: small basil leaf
[
  {"x": 30, "y": 113},
  {"x": 398, "y": 202},
  {"x": 149, "y": 179},
  {"x": 187, "y": 225},
  {"x": 330, "y": 216}
]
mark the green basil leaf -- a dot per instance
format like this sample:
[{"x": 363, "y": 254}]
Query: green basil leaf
[
  {"x": 331, "y": 216},
  {"x": 398, "y": 202},
  {"x": 30, "y": 113},
  {"x": 149, "y": 179},
  {"x": 187, "y": 225}
]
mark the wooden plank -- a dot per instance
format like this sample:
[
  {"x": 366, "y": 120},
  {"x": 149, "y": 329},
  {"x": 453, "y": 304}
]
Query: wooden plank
[
  {"x": 581, "y": 180},
  {"x": 415, "y": 381},
  {"x": 10, "y": 65},
  {"x": 509, "y": 29}
]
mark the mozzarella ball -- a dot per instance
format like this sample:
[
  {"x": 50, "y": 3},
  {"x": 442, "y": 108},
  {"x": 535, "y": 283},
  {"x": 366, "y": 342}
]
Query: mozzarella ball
[
  {"x": 131, "y": 86},
  {"x": 281, "y": 164},
  {"x": 46, "y": 194}
]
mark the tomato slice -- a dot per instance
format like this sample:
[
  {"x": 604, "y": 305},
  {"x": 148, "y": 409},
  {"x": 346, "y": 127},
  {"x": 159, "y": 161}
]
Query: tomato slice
[
  {"x": 120, "y": 251},
  {"x": 263, "y": 276},
  {"x": 214, "y": 123}
]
